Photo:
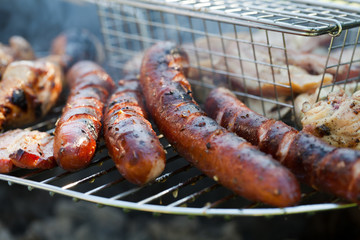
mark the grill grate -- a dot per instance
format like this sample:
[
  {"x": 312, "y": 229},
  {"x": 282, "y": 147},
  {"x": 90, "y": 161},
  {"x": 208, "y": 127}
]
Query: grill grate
[
  {"x": 258, "y": 54},
  {"x": 181, "y": 189},
  {"x": 129, "y": 27}
]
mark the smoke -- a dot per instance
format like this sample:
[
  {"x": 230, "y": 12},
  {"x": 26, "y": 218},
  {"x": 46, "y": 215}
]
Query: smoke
[{"x": 40, "y": 21}]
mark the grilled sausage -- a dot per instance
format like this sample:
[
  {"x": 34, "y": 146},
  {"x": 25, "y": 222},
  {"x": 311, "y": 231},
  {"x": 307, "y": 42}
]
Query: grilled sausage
[
  {"x": 324, "y": 167},
  {"x": 78, "y": 128},
  {"x": 221, "y": 155},
  {"x": 130, "y": 139},
  {"x": 26, "y": 149}
]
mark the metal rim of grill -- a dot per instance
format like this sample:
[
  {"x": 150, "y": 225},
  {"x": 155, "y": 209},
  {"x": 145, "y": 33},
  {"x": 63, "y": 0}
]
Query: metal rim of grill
[{"x": 301, "y": 17}]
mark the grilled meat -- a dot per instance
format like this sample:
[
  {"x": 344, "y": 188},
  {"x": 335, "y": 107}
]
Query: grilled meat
[
  {"x": 324, "y": 167},
  {"x": 345, "y": 56},
  {"x": 221, "y": 155},
  {"x": 27, "y": 91},
  {"x": 26, "y": 149},
  {"x": 335, "y": 119},
  {"x": 305, "y": 67},
  {"x": 18, "y": 49},
  {"x": 78, "y": 128},
  {"x": 269, "y": 65},
  {"x": 130, "y": 139}
]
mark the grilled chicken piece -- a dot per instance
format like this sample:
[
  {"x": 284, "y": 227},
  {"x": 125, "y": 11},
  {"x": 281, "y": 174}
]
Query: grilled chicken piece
[
  {"x": 303, "y": 102},
  {"x": 21, "y": 48},
  {"x": 30, "y": 88},
  {"x": 271, "y": 78},
  {"x": 27, "y": 91},
  {"x": 306, "y": 68},
  {"x": 299, "y": 43},
  {"x": 6, "y": 57},
  {"x": 314, "y": 64},
  {"x": 295, "y": 45},
  {"x": 256, "y": 64},
  {"x": 26, "y": 149},
  {"x": 308, "y": 53},
  {"x": 18, "y": 49},
  {"x": 349, "y": 54},
  {"x": 335, "y": 119}
]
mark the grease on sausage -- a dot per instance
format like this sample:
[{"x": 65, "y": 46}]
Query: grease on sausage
[
  {"x": 130, "y": 139},
  {"x": 324, "y": 167},
  {"x": 221, "y": 155},
  {"x": 78, "y": 128}
]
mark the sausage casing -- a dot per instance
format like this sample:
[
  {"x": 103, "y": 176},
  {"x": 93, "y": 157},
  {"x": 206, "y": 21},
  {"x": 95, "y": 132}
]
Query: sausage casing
[
  {"x": 222, "y": 155},
  {"x": 78, "y": 128},
  {"x": 324, "y": 167},
  {"x": 130, "y": 139}
]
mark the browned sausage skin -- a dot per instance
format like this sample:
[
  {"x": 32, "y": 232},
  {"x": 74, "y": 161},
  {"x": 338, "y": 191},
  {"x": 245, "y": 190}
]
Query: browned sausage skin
[
  {"x": 326, "y": 168},
  {"x": 220, "y": 154},
  {"x": 130, "y": 139},
  {"x": 78, "y": 128}
]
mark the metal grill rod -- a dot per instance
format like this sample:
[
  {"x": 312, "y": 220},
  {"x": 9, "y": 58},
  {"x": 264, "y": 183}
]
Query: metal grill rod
[
  {"x": 88, "y": 178},
  {"x": 159, "y": 179},
  {"x": 164, "y": 25},
  {"x": 173, "y": 188},
  {"x": 330, "y": 5},
  {"x": 178, "y": 210},
  {"x": 104, "y": 186},
  {"x": 311, "y": 8},
  {"x": 218, "y": 202},
  {"x": 193, "y": 196},
  {"x": 229, "y": 17},
  {"x": 67, "y": 173}
]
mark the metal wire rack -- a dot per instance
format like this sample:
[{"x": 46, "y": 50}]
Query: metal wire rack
[
  {"x": 256, "y": 48},
  {"x": 181, "y": 189},
  {"x": 296, "y": 16},
  {"x": 224, "y": 39}
]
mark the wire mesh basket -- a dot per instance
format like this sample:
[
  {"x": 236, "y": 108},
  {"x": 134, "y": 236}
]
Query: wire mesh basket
[{"x": 267, "y": 52}]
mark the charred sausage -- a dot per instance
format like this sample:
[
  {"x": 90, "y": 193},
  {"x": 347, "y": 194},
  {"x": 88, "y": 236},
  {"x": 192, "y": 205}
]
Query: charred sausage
[
  {"x": 130, "y": 139},
  {"x": 221, "y": 155},
  {"x": 78, "y": 128},
  {"x": 324, "y": 167}
]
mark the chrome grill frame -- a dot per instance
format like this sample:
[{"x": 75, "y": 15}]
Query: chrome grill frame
[{"x": 130, "y": 27}]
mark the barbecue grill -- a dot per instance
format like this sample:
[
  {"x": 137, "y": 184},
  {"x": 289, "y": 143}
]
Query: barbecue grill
[{"x": 129, "y": 27}]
